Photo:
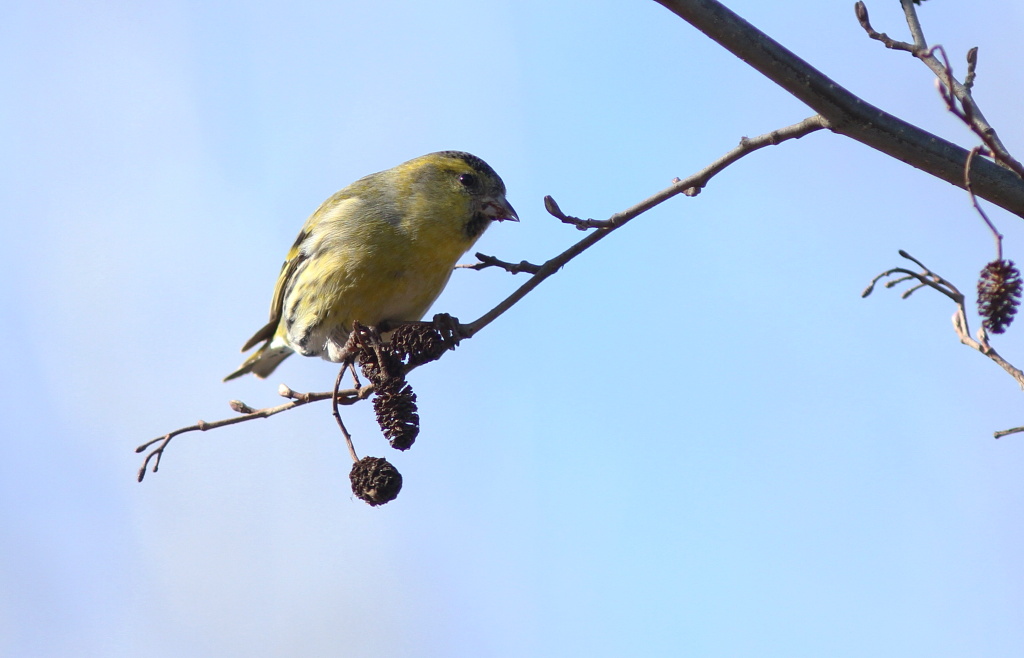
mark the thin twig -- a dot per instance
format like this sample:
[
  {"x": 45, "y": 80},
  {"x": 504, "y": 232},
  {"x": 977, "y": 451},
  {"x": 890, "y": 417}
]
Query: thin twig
[
  {"x": 974, "y": 201},
  {"x": 490, "y": 261},
  {"x": 972, "y": 65},
  {"x": 923, "y": 279},
  {"x": 929, "y": 278},
  {"x": 970, "y": 113},
  {"x": 946, "y": 84},
  {"x": 581, "y": 224},
  {"x": 349, "y": 396},
  {"x": 951, "y": 89},
  {"x": 862, "y": 17},
  {"x": 689, "y": 186},
  {"x": 337, "y": 415},
  {"x": 916, "y": 33}
]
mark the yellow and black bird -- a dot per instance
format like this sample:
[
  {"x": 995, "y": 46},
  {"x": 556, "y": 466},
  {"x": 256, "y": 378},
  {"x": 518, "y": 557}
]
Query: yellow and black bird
[{"x": 382, "y": 249}]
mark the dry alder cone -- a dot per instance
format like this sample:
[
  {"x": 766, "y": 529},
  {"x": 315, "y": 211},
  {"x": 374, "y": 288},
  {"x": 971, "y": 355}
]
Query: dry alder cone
[
  {"x": 375, "y": 480},
  {"x": 415, "y": 344},
  {"x": 395, "y": 406},
  {"x": 385, "y": 365},
  {"x": 394, "y": 401},
  {"x": 999, "y": 291}
]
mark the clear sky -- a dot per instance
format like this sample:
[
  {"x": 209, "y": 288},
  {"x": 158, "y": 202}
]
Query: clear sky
[{"x": 695, "y": 440}]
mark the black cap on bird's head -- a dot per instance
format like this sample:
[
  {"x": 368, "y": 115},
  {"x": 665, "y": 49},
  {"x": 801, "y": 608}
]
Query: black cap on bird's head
[{"x": 476, "y": 163}]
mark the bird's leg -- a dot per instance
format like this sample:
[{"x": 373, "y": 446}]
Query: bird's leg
[
  {"x": 355, "y": 375},
  {"x": 375, "y": 342},
  {"x": 348, "y": 356}
]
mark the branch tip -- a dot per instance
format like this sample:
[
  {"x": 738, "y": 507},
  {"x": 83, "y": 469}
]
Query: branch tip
[
  {"x": 1001, "y": 433},
  {"x": 862, "y": 16},
  {"x": 972, "y": 65},
  {"x": 512, "y": 268},
  {"x": 552, "y": 207}
]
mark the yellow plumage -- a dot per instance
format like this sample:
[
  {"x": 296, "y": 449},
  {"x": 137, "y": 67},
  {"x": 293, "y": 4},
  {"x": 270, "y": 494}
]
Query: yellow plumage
[{"x": 382, "y": 249}]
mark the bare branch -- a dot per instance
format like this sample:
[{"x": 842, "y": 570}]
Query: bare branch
[
  {"x": 581, "y": 224},
  {"x": 862, "y": 17},
  {"x": 349, "y": 396},
  {"x": 910, "y": 11},
  {"x": 490, "y": 261},
  {"x": 974, "y": 202},
  {"x": 689, "y": 186},
  {"x": 968, "y": 111},
  {"x": 953, "y": 90},
  {"x": 972, "y": 65},
  {"x": 1001, "y": 433},
  {"x": 749, "y": 145},
  {"x": 337, "y": 415},
  {"x": 844, "y": 112},
  {"x": 929, "y": 278}
]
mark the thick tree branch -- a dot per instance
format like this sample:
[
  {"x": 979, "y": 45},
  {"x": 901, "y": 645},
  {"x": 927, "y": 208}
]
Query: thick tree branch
[{"x": 846, "y": 113}]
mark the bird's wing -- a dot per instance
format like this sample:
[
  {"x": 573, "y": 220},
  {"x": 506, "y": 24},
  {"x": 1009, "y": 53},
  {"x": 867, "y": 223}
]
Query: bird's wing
[{"x": 296, "y": 256}]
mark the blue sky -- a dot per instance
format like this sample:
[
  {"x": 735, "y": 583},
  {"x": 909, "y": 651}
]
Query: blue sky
[{"x": 695, "y": 440}]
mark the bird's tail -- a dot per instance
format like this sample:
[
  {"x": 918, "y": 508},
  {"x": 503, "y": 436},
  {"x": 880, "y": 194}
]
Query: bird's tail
[{"x": 262, "y": 362}]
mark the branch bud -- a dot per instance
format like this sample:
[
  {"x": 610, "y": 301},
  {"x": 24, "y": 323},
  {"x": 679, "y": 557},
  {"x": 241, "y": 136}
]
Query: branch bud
[
  {"x": 240, "y": 407},
  {"x": 862, "y": 14}
]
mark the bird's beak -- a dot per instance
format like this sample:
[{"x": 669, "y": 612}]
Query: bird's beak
[{"x": 500, "y": 210}]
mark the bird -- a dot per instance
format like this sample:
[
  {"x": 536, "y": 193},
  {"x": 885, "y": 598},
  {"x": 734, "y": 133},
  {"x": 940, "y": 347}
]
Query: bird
[{"x": 380, "y": 250}]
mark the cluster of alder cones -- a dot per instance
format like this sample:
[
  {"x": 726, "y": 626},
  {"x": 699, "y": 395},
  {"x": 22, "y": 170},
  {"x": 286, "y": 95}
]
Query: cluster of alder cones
[{"x": 374, "y": 479}]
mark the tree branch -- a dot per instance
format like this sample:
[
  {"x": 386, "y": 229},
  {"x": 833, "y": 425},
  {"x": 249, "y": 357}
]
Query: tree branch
[
  {"x": 689, "y": 186},
  {"x": 951, "y": 88},
  {"x": 845, "y": 113},
  {"x": 485, "y": 261},
  {"x": 350, "y": 396},
  {"x": 926, "y": 277}
]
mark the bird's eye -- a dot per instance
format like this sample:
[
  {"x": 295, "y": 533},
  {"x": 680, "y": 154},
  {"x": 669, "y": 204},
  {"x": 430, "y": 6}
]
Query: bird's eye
[{"x": 469, "y": 181}]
